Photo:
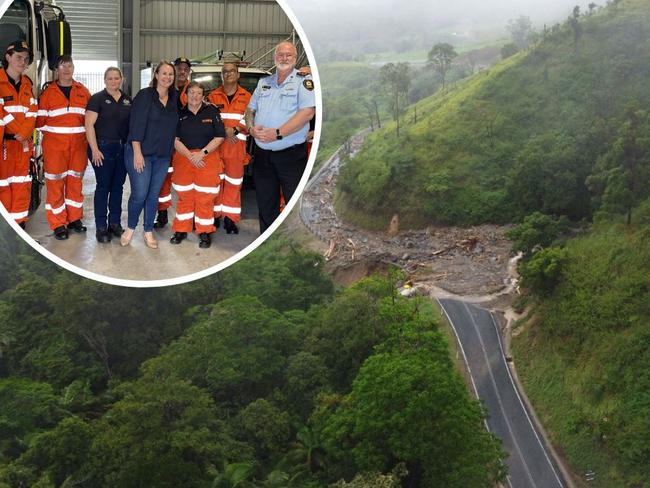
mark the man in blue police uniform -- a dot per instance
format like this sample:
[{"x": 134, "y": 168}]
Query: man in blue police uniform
[{"x": 278, "y": 118}]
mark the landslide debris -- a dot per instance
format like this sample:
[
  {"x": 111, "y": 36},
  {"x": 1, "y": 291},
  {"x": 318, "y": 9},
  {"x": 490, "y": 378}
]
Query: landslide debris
[{"x": 462, "y": 261}]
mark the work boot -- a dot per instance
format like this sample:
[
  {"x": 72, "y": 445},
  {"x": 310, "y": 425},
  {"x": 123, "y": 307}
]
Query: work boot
[
  {"x": 116, "y": 229},
  {"x": 162, "y": 220},
  {"x": 103, "y": 236},
  {"x": 61, "y": 233},
  {"x": 217, "y": 222},
  {"x": 178, "y": 237},
  {"x": 22, "y": 225},
  {"x": 77, "y": 226},
  {"x": 230, "y": 226},
  {"x": 204, "y": 240}
]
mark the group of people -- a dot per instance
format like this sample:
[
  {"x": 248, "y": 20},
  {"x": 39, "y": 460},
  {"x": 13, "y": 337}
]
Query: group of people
[{"x": 170, "y": 135}]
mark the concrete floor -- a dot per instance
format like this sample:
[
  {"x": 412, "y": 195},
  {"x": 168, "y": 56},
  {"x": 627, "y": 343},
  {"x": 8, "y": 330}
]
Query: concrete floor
[{"x": 136, "y": 261}]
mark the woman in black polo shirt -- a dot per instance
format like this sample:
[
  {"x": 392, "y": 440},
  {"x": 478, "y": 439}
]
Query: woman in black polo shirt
[
  {"x": 197, "y": 166},
  {"x": 107, "y": 125}
]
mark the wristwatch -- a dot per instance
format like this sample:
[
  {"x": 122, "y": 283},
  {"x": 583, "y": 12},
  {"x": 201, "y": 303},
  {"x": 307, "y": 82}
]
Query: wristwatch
[
  {"x": 205, "y": 151},
  {"x": 278, "y": 136}
]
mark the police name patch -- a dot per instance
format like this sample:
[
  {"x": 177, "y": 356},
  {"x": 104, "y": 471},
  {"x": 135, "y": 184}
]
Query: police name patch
[{"x": 308, "y": 84}]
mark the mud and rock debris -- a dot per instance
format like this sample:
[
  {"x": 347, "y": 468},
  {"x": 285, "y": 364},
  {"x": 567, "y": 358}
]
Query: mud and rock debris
[{"x": 465, "y": 261}]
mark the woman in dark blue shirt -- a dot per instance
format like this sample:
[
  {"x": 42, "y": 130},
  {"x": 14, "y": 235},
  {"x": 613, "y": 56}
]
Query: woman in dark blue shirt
[
  {"x": 107, "y": 126},
  {"x": 152, "y": 128}
]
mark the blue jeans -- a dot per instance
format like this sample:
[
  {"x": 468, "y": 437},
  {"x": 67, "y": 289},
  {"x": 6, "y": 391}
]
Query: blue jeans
[
  {"x": 145, "y": 187},
  {"x": 110, "y": 177}
]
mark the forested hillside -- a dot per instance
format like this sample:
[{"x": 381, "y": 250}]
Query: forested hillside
[
  {"x": 524, "y": 135},
  {"x": 261, "y": 376},
  {"x": 584, "y": 348}
]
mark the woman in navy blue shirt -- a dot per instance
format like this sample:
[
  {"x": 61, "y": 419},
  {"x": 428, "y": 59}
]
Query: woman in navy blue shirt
[
  {"x": 152, "y": 129},
  {"x": 107, "y": 126}
]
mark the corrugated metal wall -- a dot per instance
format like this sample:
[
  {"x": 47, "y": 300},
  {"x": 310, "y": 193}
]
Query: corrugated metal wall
[
  {"x": 94, "y": 25},
  {"x": 194, "y": 28}
]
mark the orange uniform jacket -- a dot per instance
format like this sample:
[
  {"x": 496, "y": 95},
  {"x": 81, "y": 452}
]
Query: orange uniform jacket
[
  {"x": 234, "y": 155},
  {"x": 64, "y": 151},
  {"x": 18, "y": 118}
]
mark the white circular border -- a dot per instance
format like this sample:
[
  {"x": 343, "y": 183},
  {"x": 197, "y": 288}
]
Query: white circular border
[{"x": 241, "y": 254}]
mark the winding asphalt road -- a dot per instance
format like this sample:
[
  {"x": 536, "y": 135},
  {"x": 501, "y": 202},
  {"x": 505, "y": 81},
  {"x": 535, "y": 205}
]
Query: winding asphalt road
[{"x": 529, "y": 463}]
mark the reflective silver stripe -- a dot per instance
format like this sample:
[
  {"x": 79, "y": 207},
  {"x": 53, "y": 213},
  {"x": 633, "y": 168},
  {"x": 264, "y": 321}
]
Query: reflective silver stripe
[
  {"x": 166, "y": 198},
  {"x": 4, "y": 182},
  {"x": 33, "y": 101},
  {"x": 19, "y": 215},
  {"x": 230, "y": 116},
  {"x": 186, "y": 216},
  {"x": 233, "y": 210},
  {"x": 16, "y": 109},
  {"x": 55, "y": 210},
  {"x": 20, "y": 179},
  {"x": 204, "y": 221},
  {"x": 64, "y": 111},
  {"x": 30, "y": 114},
  {"x": 76, "y": 174},
  {"x": 55, "y": 176},
  {"x": 8, "y": 119},
  {"x": 183, "y": 187},
  {"x": 2, "y": 101},
  {"x": 63, "y": 130},
  {"x": 207, "y": 189},
  {"x": 233, "y": 181},
  {"x": 241, "y": 137},
  {"x": 218, "y": 208},
  {"x": 42, "y": 113},
  {"x": 170, "y": 169},
  {"x": 74, "y": 204},
  {"x": 222, "y": 176}
]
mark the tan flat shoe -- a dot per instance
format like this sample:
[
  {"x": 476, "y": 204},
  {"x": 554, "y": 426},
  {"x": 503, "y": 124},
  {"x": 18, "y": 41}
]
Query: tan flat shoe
[
  {"x": 127, "y": 235},
  {"x": 150, "y": 240}
]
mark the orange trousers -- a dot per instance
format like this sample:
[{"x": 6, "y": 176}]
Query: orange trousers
[
  {"x": 65, "y": 161},
  {"x": 196, "y": 189},
  {"x": 228, "y": 202},
  {"x": 165, "y": 195},
  {"x": 15, "y": 182}
]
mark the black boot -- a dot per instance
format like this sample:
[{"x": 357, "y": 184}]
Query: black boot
[
  {"x": 204, "y": 240},
  {"x": 22, "y": 225},
  {"x": 116, "y": 229},
  {"x": 77, "y": 226},
  {"x": 103, "y": 236},
  {"x": 162, "y": 220},
  {"x": 217, "y": 222},
  {"x": 61, "y": 233},
  {"x": 230, "y": 226},
  {"x": 178, "y": 237}
]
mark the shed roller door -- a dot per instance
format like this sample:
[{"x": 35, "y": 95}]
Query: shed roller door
[{"x": 94, "y": 25}]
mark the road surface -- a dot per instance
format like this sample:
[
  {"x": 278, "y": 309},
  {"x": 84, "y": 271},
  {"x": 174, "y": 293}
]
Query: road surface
[{"x": 529, "y": 464}]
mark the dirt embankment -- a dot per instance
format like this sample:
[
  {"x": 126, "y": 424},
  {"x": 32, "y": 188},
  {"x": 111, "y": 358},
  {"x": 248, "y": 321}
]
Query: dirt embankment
[{"x": 472, "y": 262}]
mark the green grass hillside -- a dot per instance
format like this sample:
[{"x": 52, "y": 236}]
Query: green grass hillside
[
  {"x": 519, "y": 137},
  {"x": 584, "y": 355}
]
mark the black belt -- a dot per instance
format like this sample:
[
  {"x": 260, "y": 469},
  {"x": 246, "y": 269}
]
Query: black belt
[{"x": 286, "y": 149}]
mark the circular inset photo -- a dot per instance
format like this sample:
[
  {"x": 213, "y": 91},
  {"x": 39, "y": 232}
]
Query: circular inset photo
[{"x": 153, "y": 146}]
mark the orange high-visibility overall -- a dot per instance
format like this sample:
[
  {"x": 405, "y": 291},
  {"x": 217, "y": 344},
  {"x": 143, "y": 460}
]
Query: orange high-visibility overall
[
  {"x": 18, "y": 118},
  {"x": 165, "y": 195},
  {"x": 234, "y": 155},
  {"x": 64, "y": 151}
]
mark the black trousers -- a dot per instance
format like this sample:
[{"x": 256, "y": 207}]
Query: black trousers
[{"x": 272, "y": 171}]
